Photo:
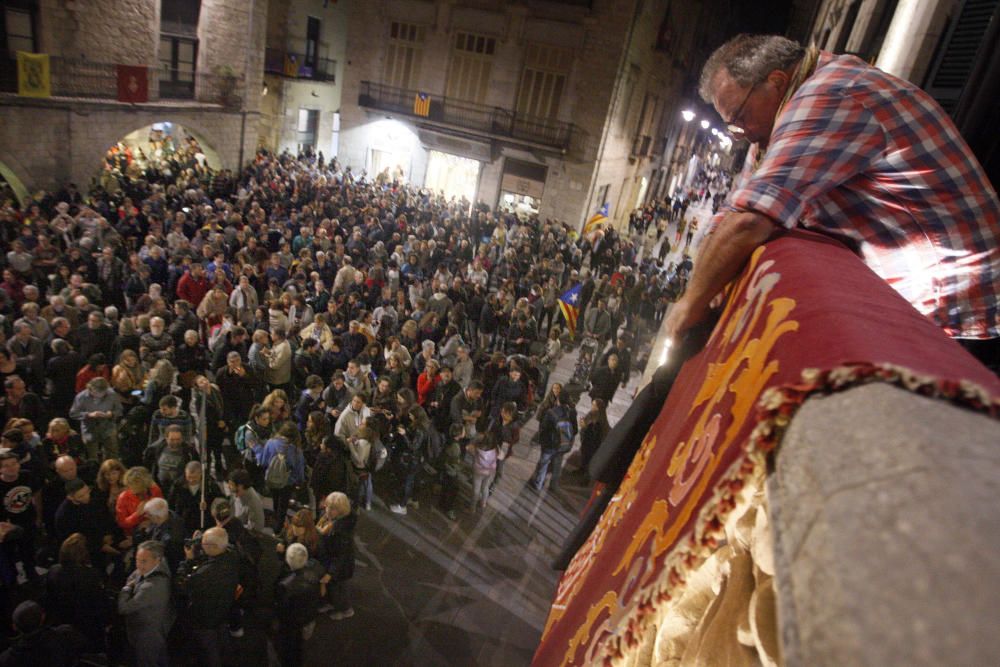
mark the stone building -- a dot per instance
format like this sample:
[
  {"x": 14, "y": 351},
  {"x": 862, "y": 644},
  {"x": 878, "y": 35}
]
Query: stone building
[
  {"x": 306, "y": 47},
  {"x": 201, "y": 60},
  {"x": 550, "y": 106}
]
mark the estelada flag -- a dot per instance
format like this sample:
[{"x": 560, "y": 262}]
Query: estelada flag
[
  {"x": 33, "y": 75},
  {"x": 422, "y": 104},
  {"x": 596, "y": 219},
  {"x": 569, "y": 304},
  {"x": 133, "y": 84}
]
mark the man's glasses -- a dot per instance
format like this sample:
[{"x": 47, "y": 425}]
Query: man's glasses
[{"x": 735, "y": 125}]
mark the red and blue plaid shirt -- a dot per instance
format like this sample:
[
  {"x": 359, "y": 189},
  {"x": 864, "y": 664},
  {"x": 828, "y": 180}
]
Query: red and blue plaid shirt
[{"x": 874, "y": 160}]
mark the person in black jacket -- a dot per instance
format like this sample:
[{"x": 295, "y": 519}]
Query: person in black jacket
[
  {"x": 74, "y": 593},
  {"x": 207, "y": 583},
  {"x": 605, "y": 379},
  {"x": 38, "y": 645},
  {"x": 336, "y": 554},
  {"x": 296, "y": 604},
  {"x": 185, "y": 498}
]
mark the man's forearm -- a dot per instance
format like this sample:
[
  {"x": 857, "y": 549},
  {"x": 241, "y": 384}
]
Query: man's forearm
[{"x": 724, "y": 254}]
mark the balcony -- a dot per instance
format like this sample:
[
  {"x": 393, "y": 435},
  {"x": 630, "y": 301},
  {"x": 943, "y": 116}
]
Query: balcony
[
  {"x": 87, "y": 79},
  {"x": 493, "y": 122},
  {"x": 298, "y": 66}
]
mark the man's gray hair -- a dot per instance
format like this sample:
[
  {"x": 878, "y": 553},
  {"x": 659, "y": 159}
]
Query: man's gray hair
[
  {"x": 154, "y": 548},
  {"x": 749, "y": 59},
  {"x": 296, "y": 556},
  {"x": 157, "y": 507}
]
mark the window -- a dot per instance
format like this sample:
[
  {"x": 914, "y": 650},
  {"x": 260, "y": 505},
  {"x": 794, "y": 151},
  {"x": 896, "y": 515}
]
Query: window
[
  {"x": 543, "y": 80},
  {"x": 403, "y": 55},
  {"x": 19, "y": 30},
  {"x": 178, "y": 56},
  {"x": 312, "y": 42},
  {"x": 307, "y": 126},
  {"x": 471, "y": 62}
]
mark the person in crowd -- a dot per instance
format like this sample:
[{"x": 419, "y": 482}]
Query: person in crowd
[
  {"x": 207, "y": 582},
  {"x": 605, "y": 378},
  {"x": 556, "y": 432},
  {"x": 297, "y": 601},
  {"x": 21, "y": 511},
  {"x": 593, "y": 428},
  {"x": 167, "y": 456},
  {"x": 164, "y": 526},
  {"x": 190, "y": 498},
  {"x": 36, "y": 643},
  {"x": 145, "y": 603},
  {"x": 336, "y": 531},
  {"x": 248, "y": 508},
  {"x": 131, "y": 503},
  {"x": 74, "y": 592},
  {"x": 97, "y": 408},
  {"x": 485, "y": 452}
]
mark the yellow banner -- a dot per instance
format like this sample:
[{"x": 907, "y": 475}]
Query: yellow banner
[{"x": 33, "y": 75}]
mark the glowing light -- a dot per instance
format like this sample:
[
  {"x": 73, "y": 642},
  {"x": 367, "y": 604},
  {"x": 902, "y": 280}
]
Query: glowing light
[
  {"x": 664, "y": 353},
  {"x": 687, "y": 115},
  {"x": 705, "y": 124}
]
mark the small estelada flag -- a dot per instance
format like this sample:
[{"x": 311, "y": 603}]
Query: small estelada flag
[
  {"x": 422, "y": 104},
  {"x": 33, "y": 75},
  {"x": 133, "y": 84}
]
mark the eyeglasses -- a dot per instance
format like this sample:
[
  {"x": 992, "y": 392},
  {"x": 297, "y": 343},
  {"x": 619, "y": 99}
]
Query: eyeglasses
[{"x": 735, "y": 125}]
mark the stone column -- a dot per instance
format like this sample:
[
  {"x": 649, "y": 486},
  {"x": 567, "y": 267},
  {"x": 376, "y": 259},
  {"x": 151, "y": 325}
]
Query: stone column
[{"x": 912, "y": 37}]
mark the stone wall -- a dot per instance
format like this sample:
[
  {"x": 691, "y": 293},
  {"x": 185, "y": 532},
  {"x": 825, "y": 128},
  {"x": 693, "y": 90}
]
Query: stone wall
[{"x": 107, "y": 31}]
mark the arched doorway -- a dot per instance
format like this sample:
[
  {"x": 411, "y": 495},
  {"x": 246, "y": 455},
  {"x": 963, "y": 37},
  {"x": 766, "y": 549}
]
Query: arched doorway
[
  {"x": 11, "y": 186},
  {"x": 160, "y": 145}
]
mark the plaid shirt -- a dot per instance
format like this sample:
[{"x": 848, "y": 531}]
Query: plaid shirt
[{"x": 874, "y": 160}]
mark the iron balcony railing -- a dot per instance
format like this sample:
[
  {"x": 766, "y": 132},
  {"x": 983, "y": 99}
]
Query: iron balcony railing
[
  {"x": 87, "y": 79},
  {"x": 299, "y": 66},
  {"x": 493, "y": 121}
]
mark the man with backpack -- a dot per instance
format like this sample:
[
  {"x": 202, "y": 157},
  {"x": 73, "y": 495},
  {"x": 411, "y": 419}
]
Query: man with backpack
[
  {"x": 556, "y": 433},
  {"x": 284, "y": 469}
]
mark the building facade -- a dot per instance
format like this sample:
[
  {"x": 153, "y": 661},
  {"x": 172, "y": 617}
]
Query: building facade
[
  {"x": 120, "y": 67},
  {"x": 303, "y": 64},
  {"x": 554, "y": 107}
]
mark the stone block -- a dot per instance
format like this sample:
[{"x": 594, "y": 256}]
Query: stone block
[{"x": 887, "y": 532}]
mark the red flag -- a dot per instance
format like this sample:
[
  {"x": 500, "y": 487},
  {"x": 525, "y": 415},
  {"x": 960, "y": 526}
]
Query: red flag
[{"x": 133, "y": 85}]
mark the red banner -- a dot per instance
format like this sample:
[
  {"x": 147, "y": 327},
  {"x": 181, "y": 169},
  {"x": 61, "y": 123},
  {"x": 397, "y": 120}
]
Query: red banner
[
  {"x": 133, "y": 84},
  {"x": 806, "y": 316}
]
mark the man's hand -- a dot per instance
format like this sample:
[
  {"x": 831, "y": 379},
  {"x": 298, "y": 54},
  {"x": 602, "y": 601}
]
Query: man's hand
[{"x": 682, "y": 316}]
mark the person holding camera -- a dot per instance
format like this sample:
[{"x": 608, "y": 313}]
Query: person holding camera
[{"x": 207, "y": 589}]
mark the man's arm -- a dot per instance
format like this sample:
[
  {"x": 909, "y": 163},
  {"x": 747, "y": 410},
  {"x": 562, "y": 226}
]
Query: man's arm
[{"x": 721, "y": 259}]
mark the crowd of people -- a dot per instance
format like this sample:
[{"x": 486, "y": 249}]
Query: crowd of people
[{"x": 180, "y": 345}]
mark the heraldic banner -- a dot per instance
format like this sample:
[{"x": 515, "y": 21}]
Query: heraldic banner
[
  {"x": 33, "y": 75},
  {"x": 133, "y": 84},
  {"x": 806, "y": 317}
]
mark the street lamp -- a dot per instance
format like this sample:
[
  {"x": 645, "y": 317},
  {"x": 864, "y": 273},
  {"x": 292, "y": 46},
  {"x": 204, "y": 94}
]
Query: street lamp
[{"x": 687, "y": 115}]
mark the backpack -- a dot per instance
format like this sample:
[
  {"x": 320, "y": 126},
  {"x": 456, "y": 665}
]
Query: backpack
[
  {"x": 565, "y": 430},
  {"x": 278, "y": 472},
  {"x": 240, "y": 438}
]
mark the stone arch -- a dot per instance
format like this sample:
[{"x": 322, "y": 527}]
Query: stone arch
[
  {"x": 13, "y": 180},
  {"x": 179, "y": 128}
]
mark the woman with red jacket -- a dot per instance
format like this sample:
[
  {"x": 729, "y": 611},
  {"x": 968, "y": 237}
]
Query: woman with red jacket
[
  {"x": 427, "y": 381},
  {"x": 131, "y": 504}
]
